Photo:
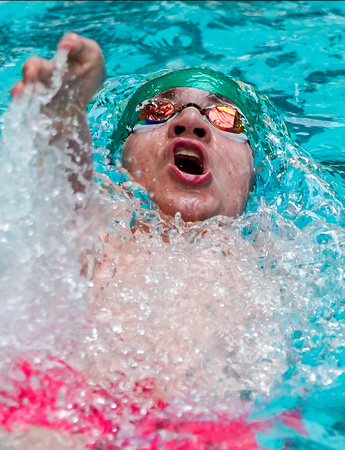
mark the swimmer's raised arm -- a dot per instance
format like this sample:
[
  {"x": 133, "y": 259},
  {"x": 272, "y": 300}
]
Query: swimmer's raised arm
[{"x": 84, "y": 76}]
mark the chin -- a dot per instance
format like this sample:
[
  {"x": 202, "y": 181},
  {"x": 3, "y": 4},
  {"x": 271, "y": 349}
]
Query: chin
[
  {"x": 195, "y": 216},
  {"x": 188, "y": 214}
]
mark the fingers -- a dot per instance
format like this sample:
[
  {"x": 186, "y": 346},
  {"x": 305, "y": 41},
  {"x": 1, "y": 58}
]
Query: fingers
[
  {"x": 85, "y": 68},
  {"x": 34, "y": 70},
  {"x": 18, "y": 89},
  {"x": 80, "y": 49},
  {"x": 84, "y": 56},
  {"x": 71, "y": 42},
  {"x": 37, "y": 69}
]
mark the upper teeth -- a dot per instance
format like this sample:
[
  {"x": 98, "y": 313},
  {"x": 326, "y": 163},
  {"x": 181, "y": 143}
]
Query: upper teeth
[{"x": 185, "y": 152}]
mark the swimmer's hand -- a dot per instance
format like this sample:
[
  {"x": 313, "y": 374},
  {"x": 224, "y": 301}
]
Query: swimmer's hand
[{"x": 84, "y": 75}]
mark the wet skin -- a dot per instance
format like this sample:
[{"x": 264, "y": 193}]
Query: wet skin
[
  {"x": 222, "y": 188},
  {"x": 227, "y": 175},
  {"x": 84, "y": 75},
  {"x": 226, "y": 178}
]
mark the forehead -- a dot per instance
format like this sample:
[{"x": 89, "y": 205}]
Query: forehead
[{"x": 194, "y": 95}]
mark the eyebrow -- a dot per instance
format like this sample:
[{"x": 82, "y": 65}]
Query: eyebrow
[
  {"x": 212, "y": 96},
  {"x": 219, "y": 98},
  {"x": 170, "y": 94}
]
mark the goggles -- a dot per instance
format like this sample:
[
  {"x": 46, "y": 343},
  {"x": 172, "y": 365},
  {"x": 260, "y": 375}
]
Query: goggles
[{"x": 224, "y": 118}]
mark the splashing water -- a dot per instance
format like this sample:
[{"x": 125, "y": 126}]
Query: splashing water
[
  {"x": 42, "y": 236},
  {"x": 203, "y": 317}
]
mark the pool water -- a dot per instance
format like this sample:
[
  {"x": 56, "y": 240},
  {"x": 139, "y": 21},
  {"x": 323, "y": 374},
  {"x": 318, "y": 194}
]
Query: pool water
[{"x": 234, "y": 317}]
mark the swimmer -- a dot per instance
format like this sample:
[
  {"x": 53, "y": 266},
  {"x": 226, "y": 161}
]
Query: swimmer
[
  {"x": 194, "y": 160},
  {"x": 187, "y": 145},
  {"x": 84, "y": 75},
  {"x": 219, "y": 155}
]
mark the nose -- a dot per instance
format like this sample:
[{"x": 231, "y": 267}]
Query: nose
[{"x": 190, "y": 123}]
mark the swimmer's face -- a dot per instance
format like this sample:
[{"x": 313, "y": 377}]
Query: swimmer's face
[{"x": 187, "y": 165}]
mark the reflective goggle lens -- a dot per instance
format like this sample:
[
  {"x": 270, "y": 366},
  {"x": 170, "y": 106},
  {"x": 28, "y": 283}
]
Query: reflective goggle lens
[
  {"x": 156, "y": 112},
  {"x": 225, "y": 118}
]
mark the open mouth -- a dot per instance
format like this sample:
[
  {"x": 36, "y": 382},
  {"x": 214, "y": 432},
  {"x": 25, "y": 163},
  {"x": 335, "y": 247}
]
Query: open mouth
[{"x": 189, "y": 161}]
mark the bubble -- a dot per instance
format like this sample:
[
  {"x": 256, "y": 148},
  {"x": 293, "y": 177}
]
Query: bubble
[{"x": 209, "y": 316}]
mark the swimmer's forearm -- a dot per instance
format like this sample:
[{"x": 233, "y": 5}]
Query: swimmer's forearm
[
  {"x": 84, "y": 75},
  {"x": 73, "y": 133}
]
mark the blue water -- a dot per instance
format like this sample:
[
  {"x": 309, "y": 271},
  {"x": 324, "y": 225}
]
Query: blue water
[{"x": 293, "y": 53}]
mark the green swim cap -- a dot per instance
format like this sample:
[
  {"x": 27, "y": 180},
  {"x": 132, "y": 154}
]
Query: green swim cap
[
  {"x": 285, "y": 174},
  {"x": 243, "y": 95},
  {"x": 269, "y": 137}
]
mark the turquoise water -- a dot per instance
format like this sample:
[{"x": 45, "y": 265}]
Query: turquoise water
[{"x": 290, "y": 51}]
